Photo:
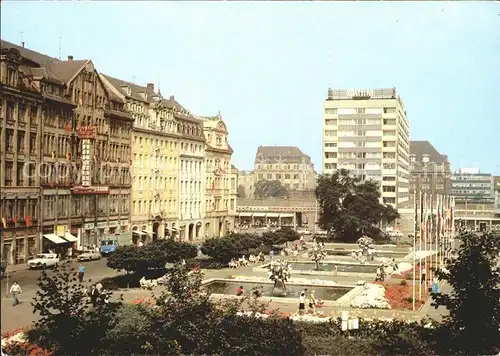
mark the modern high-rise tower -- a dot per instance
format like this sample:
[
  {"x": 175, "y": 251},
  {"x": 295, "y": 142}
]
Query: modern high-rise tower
[{"x": 367, "y": 132}]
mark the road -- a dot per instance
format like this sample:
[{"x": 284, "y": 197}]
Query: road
[{"x": 22, "y": 314}]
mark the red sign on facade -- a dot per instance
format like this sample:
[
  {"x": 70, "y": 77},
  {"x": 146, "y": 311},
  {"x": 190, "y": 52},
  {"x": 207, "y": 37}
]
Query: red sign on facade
[
  {"x": 86, "y": 132},
  {"x": 90, "y": 190}
]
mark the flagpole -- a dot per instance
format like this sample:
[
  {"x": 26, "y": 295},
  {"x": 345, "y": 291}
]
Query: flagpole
[
  {"x": 422, "y": 236},
  {"x": 415, "y": 216},
  {"x": 438, "y": 227}
]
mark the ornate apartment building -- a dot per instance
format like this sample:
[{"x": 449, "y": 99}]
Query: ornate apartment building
[
  {"x": 220, "y": 178},
  {"x": 430, "y": 171},
  {"x": 155, "y": 164},
  {"x": 287, "y": 164},
  {"x": 80, "y": 172}
]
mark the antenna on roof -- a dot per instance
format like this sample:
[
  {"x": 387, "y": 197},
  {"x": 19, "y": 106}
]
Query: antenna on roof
[
  {"x": 22, "y": 42},
  {"x": 60, "y": 46},
  {"x": 133, "y": 78}
]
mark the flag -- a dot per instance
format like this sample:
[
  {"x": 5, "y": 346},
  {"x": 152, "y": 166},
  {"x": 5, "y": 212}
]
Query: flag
[
  {"x": 68, "y": 156},
  {"x": 15, "y": 219},
  {"x": 213, "y": 184},
  {"x": 4, "y": 222},
  {"x": 28, "y": 220},
  {"x": 67, "y": 128}
]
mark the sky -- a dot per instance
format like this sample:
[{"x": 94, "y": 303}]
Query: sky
[{"x": 267, "y": 66}]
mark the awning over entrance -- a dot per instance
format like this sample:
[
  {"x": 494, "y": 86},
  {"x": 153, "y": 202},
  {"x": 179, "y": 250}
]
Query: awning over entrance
[
  {"x": 55, "y": 239},
  {"x": 246, "y": 214},
  {"x": 139, "y": 233},
  {"x": 148, "y": 232},
  {"x": 70, "y": 237},
  {"x": 259, "y": 215},
  {"x": 273, "y": 215}
]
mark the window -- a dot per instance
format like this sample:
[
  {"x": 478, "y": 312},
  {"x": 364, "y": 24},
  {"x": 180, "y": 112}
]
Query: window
[
  {"x": 278, "y": 176},
  {"x": 331, "y": 111},
  {"x": 389, "y": 110},
  {"x": 360, "y": 110},
  {"x": 8, "y": 174}
]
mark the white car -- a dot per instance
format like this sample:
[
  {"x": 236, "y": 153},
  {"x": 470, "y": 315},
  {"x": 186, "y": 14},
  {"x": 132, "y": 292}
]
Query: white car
[
  {"x": 89, "y": 255},
  {"x": 304, "y": 232},
  {"x": 44, "y": 260}
]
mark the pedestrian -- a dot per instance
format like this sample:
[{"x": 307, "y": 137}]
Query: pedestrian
[
  {"x": 271, "y": 254},
  {"x": 312, "y": 302},
  {"x": 81, "y": 272},
  {"x": 302, "y": 302},
  {"x": 435, "y": 285},
  {"x": 94, "y": 294},
  {"x": 423, "y": 273},
  {"x": 240, "y": 291},
  {"x": 88, "y": 288},
  {"x": 15, "y": 290}
]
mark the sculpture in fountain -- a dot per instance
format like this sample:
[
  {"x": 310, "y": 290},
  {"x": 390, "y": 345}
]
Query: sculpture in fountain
[
  {"x": 317, "y": 253},
  {"x": 279, "y": 273}
]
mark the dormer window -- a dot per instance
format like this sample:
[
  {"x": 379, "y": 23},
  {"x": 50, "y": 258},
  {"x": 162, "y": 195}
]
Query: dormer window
[
  {"x": 413, "y": 158},
  {"x": 426, "y": 158},
  {"x": 142, "y": 94},
  {"x": 126, "y": 89}
]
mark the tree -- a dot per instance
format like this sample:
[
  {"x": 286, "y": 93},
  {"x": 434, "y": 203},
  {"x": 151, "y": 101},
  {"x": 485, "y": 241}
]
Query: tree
[
  {"x": 241, "y": 192},
  {"x": 279, "y": 237},
  {"x": 269, "y": 188},
  {"x": 389, "y": 214},
  {"x": 473, "y": 304},
  {"x": 223, "y": 249},
  {"x": 317, "y": 253},
  {"x": 69, "y": 323},
  {"x": 349, "y": 207},
  {"x": 155, "y": 255}
]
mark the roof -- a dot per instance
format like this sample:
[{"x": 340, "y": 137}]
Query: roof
[
  {"x": 420, "y": 148},
  {"x": 281, "y": 154},
  {"x": 52, "y": 67},
  {"x": 134, "y": 89}
]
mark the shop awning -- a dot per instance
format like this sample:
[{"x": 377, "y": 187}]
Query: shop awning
[
  {"x": 55, "y": 239},
  {"x": 246, "y": 214},
  {"x": 139, "y": 233},
  {"x": 148, "y": 232},
  {"x": 70, "y": 238},
  {"x": 273, "y": 215},
  {"x": 287, "y": 215},
  {"x": 260, "y": 215},
  {"x": 174, "y": 229}
]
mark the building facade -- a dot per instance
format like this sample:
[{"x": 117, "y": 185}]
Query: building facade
[
  {"x": 155, "y": 146},
  {"x": 246, "y": 184},
  {"x": 287, "y": 164},
  {"x": 496, "y": 189},
  {"x": 81, "y": 170},
  {"x": 470, "y": 186},
  {"x": 367, "y": 132},
  {"x": 21, "y": 109},
  {"x": 220, "y": 181},
  {"x": 191, "y": 174},
  {"x": 430, "y": 171}
]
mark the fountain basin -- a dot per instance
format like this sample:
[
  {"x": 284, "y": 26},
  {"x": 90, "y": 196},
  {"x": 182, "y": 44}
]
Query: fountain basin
[{"x": 339, "y": 295}]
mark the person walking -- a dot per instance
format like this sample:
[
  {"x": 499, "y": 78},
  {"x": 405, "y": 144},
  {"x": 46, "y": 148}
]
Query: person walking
[
  {"x": 302, "y": 302},
  {"x": 81, "y": 272},
  {"x": 15, "y": 290}
]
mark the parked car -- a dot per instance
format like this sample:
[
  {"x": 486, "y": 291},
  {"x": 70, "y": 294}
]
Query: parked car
[
  {"x": 44, "y": 260},
  {"x": 89, "y": 255},
  {"x": 304, "y": 231}
]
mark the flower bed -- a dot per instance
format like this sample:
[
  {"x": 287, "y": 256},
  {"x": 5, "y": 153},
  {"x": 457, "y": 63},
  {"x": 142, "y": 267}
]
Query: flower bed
[
  {"x": 400, "y": 296},
  {"x": 144, "y": 301},
  {"x": 14, "y": 343},
  {"x": 320, "y": 282}
]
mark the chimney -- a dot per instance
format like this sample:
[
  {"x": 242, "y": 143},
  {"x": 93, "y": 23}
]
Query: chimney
[
  {"x": 70, "y": 58},
  {"x": 172, "y": 97},
  {"x": 22, "y": 43},
  {"x": 151, "y": 86}
]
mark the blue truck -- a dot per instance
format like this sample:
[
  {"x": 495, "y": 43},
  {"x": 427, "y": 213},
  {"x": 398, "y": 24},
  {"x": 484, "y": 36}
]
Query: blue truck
[{"x": 110, "y": 244}]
